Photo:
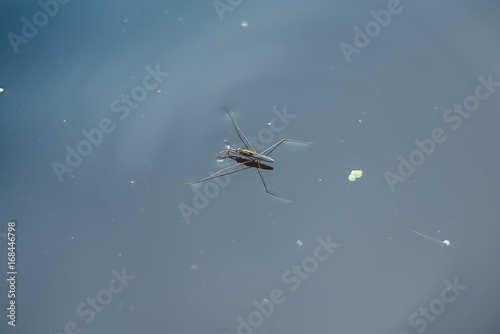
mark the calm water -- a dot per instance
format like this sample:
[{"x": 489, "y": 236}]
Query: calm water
[{"x": 109, "y": 109}]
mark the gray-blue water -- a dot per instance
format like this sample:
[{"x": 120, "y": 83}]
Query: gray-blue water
[{"x": 108, "y": 109}]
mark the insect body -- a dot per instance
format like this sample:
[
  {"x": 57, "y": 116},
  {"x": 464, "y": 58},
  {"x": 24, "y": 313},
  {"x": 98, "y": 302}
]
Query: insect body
[
  {"x": 251, "y": 158},
  {"x": 245, "y": 153}
]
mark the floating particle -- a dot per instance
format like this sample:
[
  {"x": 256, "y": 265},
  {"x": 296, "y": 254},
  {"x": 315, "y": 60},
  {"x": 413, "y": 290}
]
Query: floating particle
[{"x": 355, "y": 174}]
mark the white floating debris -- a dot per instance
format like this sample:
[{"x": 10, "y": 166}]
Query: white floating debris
[
  {"x": 445, "y": 242},
  {"x": 1, "y": 90},
  {"x": 132, "y": 182},
  {"x": 194, "y": 267},
  {"x": 300, "y": 243},
  {"x": 244, "y": 24},
  {"x": 355, "y": 174}
]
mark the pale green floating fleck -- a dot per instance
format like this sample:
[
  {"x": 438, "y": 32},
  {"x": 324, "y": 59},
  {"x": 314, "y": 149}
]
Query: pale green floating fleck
[{"x": 355, "y": 174}]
